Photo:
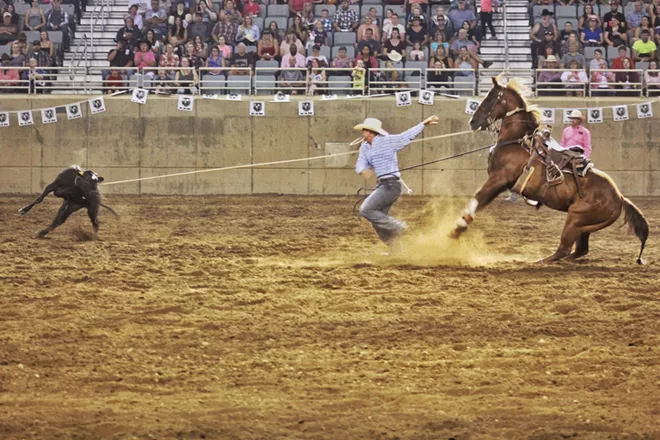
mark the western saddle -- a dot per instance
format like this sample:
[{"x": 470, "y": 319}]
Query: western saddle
[{"x": 557, "y": 162}]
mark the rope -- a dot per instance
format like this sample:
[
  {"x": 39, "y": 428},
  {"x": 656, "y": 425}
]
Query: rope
[{"x": 279, "y": 162}]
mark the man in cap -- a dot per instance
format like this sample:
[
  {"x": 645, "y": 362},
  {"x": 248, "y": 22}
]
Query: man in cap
[
  {"x": 378, "y": 155},
  {"x": 576, "y": 134},
  {"x": 8, "y": 31},
  {"x": 539, "y": 31}
]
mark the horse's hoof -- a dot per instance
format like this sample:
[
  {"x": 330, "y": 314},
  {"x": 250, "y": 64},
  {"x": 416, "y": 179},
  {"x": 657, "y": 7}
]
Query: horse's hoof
[
  {"x": 640, "y": 262},
  {"x": 456, "y": 233},
  {"x": 22, "y": 211}
]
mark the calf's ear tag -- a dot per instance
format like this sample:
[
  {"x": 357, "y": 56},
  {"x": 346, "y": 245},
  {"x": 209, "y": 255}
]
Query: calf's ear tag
[{"x": 81, "y": 173}]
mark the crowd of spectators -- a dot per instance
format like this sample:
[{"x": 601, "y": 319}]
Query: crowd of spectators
[
  {"x": 302, "y": 37},
  {"x": 601, "y": 45}
]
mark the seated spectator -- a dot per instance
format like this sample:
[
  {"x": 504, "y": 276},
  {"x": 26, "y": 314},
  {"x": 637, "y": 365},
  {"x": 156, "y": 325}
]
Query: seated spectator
[
  {"x": 142, "y": 5},
  {"x": 359, "y": 75},
  {"x": 316, "y": 79},
  {"x": 600, "y": 78},
  {"x": 566, "y": 45},
  {"x": 298, "y": 28},
  {"x": 251, "y": 7},
  {"x": 35, "y": 76},
  {"x": 416, "y": 33},
  {"x": 215, "y": 63},
  {"x": 198, "y": 28},
  {"x": 122, "y": 58},
  {"x": 248, "y": 32},
  {"x": 114, "y": 82},
  {"x": 465, "y": 61},
  {"x": 209, "y": 16},
  {"x": 373, "y": 16},
  {"x": 624, "y": 62},
  {"x": 652, "y": 79},
  {"x": 370, "y": 61},
  {"x": 291, "y": 39},
  {"x": 471, "y": 33},
  {"x": 35, "y": 19},
  {"x": 231, "y": 12},
  {"x": 224, "y": 28},
  {"x": 224, "y": 48},
  {"x": 47, "y": 45},
  {"x": 169, "y": 58},
  {"x": 387, "y": 21},
  {"x": 440, "y": 19},
  {"x": 277, "y": 33},
  {"x": 634, "y": 18},
  {"x": 144, "y": 58},
  {"x": 178, "y": 30},
  {"x": 43, "y": 57},
  {"x": 656, "y": 23},
  {"x": 179, "y": 11},
  {"x": 163, "y": 82},
  {"x": 416, "y": 11},
  {"x": 417, "y": 54},
  {"x": 389, "y": 77},
  {"x": 370, "y": 41},
  {"x": 549, "y": 46},
  {"x": 22, "y": 43},
  {"x": 137, "y": 18},
  {"x": 8, "y": 31},
  {"x": 574, "y": 78},
  {"x": 186, "y": 79},
  {"x": 267, "y": 49},
  {"x": 156, "y": 19},
  {"x": 438, "y": 76},
  {"x": 194, "y": 60},
  {"x": 346, "y": 20},
  {"x": 387, "y": 28},
  {"x": 8, "y": 77},
  {"x": 342, "y": 60},
  {"x": 596, "y": 61},
  {"x": 615, "y": 35},
  {"x": 128, "y": 33},
  {"x": 293, "y": 53},
  {"x": 551, "y": 75},
  {"x": 326, "y": 20},
  {"x": 538, "y": 32},
  {"x": 307, "y": 15},
  {"x": 292, "y": 79},
  {"x": 318, "y": 35},
  {"x": 57, "y": 19},
  {"x": 441, "y": 55},
  {"x": 587, "y": 13},
  {"x": 463, "y": 13},
  {"x": 11, "y": 9},
  {"x": 646, "y": 25},
  {"x": 470, "y": 48},
  {"x": 614, "y": 12},
  {"x": 17, "y": 57},
  {"x": 316, "y": 55},
  {"x": 200, "y": 48},
  {"x": 155, "y": 43},
  {"x": 395, "y": 43},
  {"x": 573, "y": 55},
  {"x": 368, "y": 25},
  {"x": 592, "y": 35},
  {"x": 295, "y": 7},
  {"x": 644, "y": 49}
]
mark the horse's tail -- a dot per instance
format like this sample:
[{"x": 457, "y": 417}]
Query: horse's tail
[
  {"x": 637, "y": 223},
  {"x": 110, "y": 209}
]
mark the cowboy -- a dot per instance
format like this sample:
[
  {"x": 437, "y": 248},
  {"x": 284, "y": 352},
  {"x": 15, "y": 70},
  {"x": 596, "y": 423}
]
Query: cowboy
[
  {"x": 378, "y": 155},
  {"x": 576, "y": 134}
]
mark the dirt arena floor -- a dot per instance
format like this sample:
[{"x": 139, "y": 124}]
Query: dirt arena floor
[{"x": 277, "y": 318}]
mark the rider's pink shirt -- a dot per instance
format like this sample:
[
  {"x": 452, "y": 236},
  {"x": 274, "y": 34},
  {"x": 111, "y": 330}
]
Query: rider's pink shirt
[{"x": 577, "y": 136}]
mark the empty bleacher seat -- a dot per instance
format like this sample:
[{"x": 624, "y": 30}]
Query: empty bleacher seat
[
  {"x": 421, "y": 65},
  {"x": 278, "y": 11},
  {"x": 344, "y": 38},
  {"x": 267, "y": 63},
  {"x": 325, "y": 51},
  {"x": 259, "y": 21},
  {"x": 465, "y": 83},
  {"x": 318, "y": 9},
  {"x": 565, "y": 11},
  {"x": 399, "y": 10},
  {"x": 213, "y": 84},
  {"x": 341, "y": 84}
]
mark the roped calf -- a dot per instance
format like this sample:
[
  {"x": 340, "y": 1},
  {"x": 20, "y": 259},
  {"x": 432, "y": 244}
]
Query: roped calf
[{"x": 79, "y": 189}]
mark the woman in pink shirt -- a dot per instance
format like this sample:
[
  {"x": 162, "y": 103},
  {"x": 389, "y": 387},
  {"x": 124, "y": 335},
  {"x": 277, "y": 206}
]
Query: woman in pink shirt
[{"x": 576, "y": 134}]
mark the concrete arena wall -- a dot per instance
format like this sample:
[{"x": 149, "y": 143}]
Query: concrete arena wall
[{"x": 131, "y": 141}]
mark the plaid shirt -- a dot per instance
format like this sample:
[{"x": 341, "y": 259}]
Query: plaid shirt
[
  {"x": 345, "y": 18},
  {"x": 327, "y": 24},
  {"x": 228, "y": 31},
  {"x": 381, "y": 154}
]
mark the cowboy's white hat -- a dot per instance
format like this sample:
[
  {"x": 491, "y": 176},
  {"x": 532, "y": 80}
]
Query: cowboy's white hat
[
  {"x": 371, "y": 124},
  {"x": 394, "y": 56},
  {"x": 576, "y": 114},
  {"x": 551, "y": 59}
]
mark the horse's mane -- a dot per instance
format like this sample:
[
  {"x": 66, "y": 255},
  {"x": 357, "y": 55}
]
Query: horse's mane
[{"x": 516, "y": 86}]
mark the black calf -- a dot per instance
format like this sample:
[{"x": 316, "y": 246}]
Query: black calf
[{"x": 79, "y": 189}]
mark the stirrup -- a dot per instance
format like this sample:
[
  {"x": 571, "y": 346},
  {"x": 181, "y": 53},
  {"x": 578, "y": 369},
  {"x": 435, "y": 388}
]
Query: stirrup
[{"x": 553, "y": 174}]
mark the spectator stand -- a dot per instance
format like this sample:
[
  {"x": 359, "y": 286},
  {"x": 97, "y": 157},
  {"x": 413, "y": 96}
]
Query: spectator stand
[
  {"x": 559, "y": 87},
  {"x": 458, "y": 81}
]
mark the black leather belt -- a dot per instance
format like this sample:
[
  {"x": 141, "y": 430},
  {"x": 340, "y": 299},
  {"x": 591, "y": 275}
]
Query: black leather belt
[{"x": 387, "y": 179}]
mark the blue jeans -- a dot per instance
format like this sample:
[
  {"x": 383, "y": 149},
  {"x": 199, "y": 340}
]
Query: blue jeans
[{"x": 377, "y": 206}]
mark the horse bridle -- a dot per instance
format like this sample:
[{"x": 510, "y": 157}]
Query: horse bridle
[{"x": 502, "y": 100}]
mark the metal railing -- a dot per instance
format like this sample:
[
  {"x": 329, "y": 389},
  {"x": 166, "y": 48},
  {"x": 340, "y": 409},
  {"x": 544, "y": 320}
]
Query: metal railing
[
  {"x": 652, "y": 87},
  {"x": 268, "y": 80},
  {"x": 563, "y": 83},
  {"x": 19, "y": 82},
  {"x": 457, "y": 81},
  {"x": 485, "y": 75}
]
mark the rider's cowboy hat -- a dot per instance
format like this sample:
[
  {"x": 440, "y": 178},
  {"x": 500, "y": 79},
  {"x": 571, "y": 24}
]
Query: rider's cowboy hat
[
  {"x": 394, "y": 56},
  {"x": 576, "y": 114},
  {"x": 371, "y": 124}
]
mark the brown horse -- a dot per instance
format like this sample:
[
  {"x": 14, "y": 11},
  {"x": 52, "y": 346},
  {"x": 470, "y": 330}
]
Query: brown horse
[{"x": 602, "y": 202}]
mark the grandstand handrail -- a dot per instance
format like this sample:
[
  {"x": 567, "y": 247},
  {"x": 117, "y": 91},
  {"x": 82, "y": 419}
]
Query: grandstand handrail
[
  {"x": 20, "y": 84},
  {"x": 224, "y": 82},
  {"x": 330, "y": 84},
  {"x": 560, "y": 86},
  {"x": 648, "y": 87},
  {"x": 637, "y": 86},
  {"x": 401, "y": 84},
  {"x": 506, "y": 36},
  {"x": 450, "y": 84},
  {"x": 63, "y": 78}
]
